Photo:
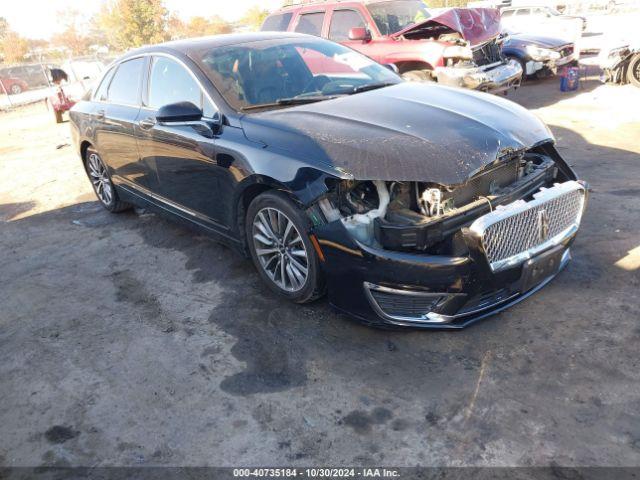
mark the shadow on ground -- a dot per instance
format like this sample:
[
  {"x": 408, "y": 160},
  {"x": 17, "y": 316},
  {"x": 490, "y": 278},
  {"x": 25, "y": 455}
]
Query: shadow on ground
[{"x": 309, "y": 382}]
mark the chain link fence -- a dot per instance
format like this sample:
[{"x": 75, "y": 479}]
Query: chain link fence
[{"x": 25, "y": 83}]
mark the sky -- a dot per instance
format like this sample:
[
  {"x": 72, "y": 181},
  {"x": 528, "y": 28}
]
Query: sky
[{"x": 37, "y": 18}]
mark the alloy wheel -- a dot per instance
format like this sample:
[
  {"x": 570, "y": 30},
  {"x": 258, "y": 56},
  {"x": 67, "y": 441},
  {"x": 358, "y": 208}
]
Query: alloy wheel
[
  {"x": 16, "y": 89},
  {"x": 280, "y": 250},
  {"x": 98, "y": 175}
]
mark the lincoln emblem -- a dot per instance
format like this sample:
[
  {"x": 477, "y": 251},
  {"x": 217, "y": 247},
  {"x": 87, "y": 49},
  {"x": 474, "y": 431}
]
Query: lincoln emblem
[{"x": 543, "y": 225}]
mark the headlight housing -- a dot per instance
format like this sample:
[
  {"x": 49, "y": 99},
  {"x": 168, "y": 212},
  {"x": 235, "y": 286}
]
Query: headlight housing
[
  {"x": 458, "y": 51},
  {"x": 538, "y": 53},
  {"x": 617, "y": 52}
]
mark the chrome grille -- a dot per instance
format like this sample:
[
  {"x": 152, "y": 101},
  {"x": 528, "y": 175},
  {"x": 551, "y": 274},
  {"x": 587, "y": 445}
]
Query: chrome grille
[
  {"x": 516, "y": 232},
  {"x": 491, "y": 52}
]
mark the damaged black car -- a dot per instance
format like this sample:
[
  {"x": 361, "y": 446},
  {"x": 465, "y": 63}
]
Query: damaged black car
[{"x": 409, "y": 204}]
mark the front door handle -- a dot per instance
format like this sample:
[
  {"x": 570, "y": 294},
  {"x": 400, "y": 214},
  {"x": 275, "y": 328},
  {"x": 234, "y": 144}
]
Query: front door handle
[
  {"x": 100, "y": 114},
  {"x": 147, "y": 123}
]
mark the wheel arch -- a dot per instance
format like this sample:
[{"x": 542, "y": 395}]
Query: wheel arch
[
  {"x": 253, "y": 187},
  {"x": 408, "y": 65},
  {"x": 84, "y": 146}
]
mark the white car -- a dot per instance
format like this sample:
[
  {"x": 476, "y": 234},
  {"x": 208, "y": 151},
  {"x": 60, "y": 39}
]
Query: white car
[{"x": 541, "y": 20}]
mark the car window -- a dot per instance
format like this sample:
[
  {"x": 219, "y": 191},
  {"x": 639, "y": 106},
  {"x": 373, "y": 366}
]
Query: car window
[
  {"x": 396, "y": 15},
  {"x": 264, "y": 72},
  {"x": 101, "y": 91},
  {"x": 341, "y": 22},
  {"x": 523, "y": 12},
  {"x": 507, "y": 13},
  {"x": 277, "y": 23},
  {"x": 311, "y": 23},
  {"x": 170, "y": 82},
  {"x": 125, "y": 86}
]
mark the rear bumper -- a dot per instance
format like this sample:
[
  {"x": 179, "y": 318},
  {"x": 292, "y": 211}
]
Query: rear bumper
[{"x": 491, "y": 78}]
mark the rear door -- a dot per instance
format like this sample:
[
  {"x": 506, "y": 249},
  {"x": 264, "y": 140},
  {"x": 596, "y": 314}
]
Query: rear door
[
  {"x": 278, "y": 22},
  {"x": 310, "y": 23},
  {"x": 183, "y": 157},
  {"x": 116, "y": 119}
]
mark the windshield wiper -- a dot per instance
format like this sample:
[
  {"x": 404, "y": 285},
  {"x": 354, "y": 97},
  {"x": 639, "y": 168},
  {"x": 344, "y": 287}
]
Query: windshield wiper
[
  {"x": 372, "y": 86},
  {"x": 288, "y": 101}
]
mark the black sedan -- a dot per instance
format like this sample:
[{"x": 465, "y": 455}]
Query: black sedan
[
  {"x": 539, "y": 55},
  {"x": 411, "y": 204}
]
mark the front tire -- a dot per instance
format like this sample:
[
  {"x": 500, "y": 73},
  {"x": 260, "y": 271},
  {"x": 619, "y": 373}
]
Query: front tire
[
  {"x": 633, "y": 71},
  {"x": 523, "y": 65},
  {"x": 276, "y": 231},
  {"x": 101, "y": 181}
]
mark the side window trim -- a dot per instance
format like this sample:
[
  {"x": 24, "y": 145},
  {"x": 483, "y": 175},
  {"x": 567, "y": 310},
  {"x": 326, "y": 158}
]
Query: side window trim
[
  {"x": 107, "y": 77},
  {"x": 346, "y": 9},
  {"x": 115, "y": 69},
  {"x": 311, "y": 12},
  {"x": 204, "y": 95}
]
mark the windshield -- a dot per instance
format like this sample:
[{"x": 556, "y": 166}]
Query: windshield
[
  {"x": 553, "y": 11},
  {"x": 287, "y": 71},
  {"x": 396, "y": 15}
]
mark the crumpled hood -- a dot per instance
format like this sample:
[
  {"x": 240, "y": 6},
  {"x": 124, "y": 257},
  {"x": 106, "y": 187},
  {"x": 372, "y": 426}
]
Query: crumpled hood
[
  {"x": 409, "y": 132},
  {"x": 476, "y": 25},
  {"x": 539, "y": 41}
]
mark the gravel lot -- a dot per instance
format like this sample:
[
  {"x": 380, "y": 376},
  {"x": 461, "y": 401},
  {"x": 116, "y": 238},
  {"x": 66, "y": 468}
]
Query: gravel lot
[{"x": 130, "y": 340}]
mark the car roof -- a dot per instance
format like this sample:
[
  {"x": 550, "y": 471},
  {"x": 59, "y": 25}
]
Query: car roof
[
  {"x": 189, "y": 45},
  {"x": 318, "y": 3},
  {"x": 518, "y": 7}
]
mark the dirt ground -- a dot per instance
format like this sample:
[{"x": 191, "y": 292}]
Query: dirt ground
[{"x": 129, "y": 340}]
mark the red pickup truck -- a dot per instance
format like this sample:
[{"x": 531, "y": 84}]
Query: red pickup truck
[{"x": 458, "y": 46}]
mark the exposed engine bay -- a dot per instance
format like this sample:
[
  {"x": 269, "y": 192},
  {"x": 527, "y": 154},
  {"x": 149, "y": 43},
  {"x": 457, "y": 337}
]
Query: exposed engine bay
[{"x": 428, "y": 217}]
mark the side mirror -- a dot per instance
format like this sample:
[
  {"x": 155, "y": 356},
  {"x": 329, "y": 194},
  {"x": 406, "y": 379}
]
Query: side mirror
[
  {"x": 393, "y": 68},
  {"x": 179, "y": 112},
  {"x": 359, "y": 34}
]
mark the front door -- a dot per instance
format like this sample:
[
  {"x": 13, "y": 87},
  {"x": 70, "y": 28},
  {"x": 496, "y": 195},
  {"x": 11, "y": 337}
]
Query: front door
[
  {"x": 183, "y": 157},
  {"x": 342, "y": 21}
]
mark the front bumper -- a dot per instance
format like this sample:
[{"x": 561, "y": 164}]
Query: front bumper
[
  {"x": 536, "y": 64},
  {"x": 441, "y": 292},
  {"x": 491, "y": 78}
]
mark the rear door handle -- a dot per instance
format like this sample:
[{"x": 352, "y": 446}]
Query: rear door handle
[
  {"x": 147, "y": 123},
  {"x": 100, "y": 114}
]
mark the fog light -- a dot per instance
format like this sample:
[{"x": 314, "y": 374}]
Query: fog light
[{"x": 402, "y": 305}]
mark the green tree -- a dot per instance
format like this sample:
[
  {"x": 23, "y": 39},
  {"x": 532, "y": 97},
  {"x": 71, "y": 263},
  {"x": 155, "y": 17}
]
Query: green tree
[
  {"x": 254, "y": 17},
  {"x": 133, "y": 23},
  {"x": 74, "y": 36},
  {"x": 14, "y": 47},
  {"x": 197, "y": 27},
  {"x": 4, "y": 27}
]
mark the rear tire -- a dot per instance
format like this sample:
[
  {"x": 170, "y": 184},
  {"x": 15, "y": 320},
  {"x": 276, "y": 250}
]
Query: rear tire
[
  {"x": 417, "y": 76},
  {"x": 633, "y": 71},
  {"x": 277, "y": 238},
  {"x": 103, "y": 187}
]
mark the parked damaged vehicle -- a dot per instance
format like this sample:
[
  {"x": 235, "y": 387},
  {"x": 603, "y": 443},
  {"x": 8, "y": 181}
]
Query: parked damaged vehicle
[
  {"x": 411, "y": 204},
  {"x": 621, "y": 63},
  {"x": 540, "y": 56},
  {"x": 456, "y": 47},
  {"x": 12, "y": 85}
]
